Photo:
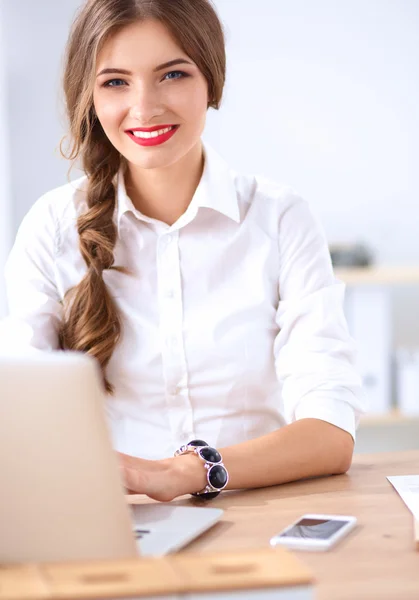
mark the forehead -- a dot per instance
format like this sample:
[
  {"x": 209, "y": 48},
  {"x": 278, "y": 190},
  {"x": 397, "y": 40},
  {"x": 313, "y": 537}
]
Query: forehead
[{"x": 140, "y": 45}]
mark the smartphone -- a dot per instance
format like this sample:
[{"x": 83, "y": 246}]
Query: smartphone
[{"x": 315, "y": 532}]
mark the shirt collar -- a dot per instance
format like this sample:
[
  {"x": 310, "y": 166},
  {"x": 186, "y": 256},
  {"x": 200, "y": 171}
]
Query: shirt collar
[{"x": 216, "y": 190}]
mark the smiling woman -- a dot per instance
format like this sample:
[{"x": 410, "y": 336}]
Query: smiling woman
[
  {"x": 143, "y": 98},
  {"x": 207, "y": 296},
  {"x": 113, "y": 123}
]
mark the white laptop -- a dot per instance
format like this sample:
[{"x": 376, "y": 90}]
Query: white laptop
[{"x": 61, "y": 495}]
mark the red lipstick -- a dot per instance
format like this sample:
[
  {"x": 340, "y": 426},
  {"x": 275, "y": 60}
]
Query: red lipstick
[{"x": 155, "y": 140}]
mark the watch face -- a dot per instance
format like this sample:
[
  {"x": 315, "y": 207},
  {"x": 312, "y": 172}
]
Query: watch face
[
  {"x": 218, "y": 477},
  {"x": 210, "y": 455}
]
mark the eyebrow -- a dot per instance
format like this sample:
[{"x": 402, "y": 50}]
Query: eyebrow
[{"x": 171, "y": 63}]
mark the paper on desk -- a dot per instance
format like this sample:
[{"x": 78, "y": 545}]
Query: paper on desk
[{"x": 408, "y": 488}]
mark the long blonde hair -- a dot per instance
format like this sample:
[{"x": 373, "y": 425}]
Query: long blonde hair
[{"x": 91, "y": 322}]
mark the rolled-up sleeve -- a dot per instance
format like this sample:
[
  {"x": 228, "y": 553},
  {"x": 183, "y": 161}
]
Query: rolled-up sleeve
[
  {"x": 35, "y": 308},
  {"x": 314, "y": 353}
]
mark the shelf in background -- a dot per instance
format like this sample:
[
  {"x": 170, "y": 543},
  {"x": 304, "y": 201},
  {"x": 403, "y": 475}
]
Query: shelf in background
[
  {"x": 368, "y": 309},
  {"x": 389, "y": 432},
  {"x": 378, "y": 275},
  {"x": 393, "y": 416}
]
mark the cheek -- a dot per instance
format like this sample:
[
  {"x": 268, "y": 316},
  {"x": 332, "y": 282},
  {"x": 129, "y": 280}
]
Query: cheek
[
  {"x": 190, "y": 103},
  {"x": 109, "y": 112}
]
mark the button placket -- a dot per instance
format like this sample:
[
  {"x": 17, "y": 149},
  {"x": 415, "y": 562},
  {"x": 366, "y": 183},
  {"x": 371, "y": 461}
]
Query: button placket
[{"x": 171, "y": 331}]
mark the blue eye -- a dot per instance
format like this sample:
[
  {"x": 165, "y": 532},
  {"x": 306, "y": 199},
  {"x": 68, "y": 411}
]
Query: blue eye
[
  {"x": 179, "y": 74},
  {"x": 114, "y": 83}
]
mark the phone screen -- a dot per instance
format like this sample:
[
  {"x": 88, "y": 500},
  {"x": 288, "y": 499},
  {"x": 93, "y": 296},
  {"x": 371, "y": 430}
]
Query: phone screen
[{"x": 314, "y": 529}]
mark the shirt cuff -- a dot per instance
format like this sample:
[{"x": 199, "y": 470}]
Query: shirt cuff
[{"x": 324, "y": 406}]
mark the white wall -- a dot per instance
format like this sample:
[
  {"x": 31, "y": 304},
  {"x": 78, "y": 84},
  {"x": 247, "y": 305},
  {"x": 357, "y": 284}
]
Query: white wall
[
  {"x": 35, "y": 35},
  {"x": 5, "y": 189},
  {"x": 322, "y": 95}
]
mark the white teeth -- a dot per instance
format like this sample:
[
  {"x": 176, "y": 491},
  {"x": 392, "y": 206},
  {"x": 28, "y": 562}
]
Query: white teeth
[{"x": 151, "y": 134}]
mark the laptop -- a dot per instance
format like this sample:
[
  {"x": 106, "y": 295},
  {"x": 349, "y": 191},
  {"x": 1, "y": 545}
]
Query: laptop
[{"x": 62, "y": 497}]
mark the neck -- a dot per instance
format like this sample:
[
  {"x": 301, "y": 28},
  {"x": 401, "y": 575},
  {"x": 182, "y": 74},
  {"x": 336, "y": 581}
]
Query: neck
[{"x": 166, "y": 193}]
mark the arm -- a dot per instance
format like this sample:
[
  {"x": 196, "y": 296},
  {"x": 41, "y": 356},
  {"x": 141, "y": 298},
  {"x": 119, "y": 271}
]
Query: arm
[
  {"x": 34, "y": 302},
  {"x": 321, "y": 392},
  {"x": 306, "y": 448}
]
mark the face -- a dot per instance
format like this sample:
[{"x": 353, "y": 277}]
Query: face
[{"x": 137, "y": 93}]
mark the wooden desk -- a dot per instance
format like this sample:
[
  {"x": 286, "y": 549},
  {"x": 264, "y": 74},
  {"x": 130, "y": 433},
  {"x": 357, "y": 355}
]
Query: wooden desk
[{"x": 377, "y": 560}]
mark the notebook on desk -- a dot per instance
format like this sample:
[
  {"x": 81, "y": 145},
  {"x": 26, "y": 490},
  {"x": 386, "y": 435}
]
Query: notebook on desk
[{"x": 61, "y": 494}]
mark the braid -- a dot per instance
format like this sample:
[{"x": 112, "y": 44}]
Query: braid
[{"x": 92, "y": 323}]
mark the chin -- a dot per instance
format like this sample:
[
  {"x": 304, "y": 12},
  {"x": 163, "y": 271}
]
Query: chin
[
  {"x": 155, "y": 158},
  {"x": 151, "y": 162}
]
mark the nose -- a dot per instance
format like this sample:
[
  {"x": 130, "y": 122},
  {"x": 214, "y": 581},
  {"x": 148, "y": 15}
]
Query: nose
[{"x": 145, "y": 105}]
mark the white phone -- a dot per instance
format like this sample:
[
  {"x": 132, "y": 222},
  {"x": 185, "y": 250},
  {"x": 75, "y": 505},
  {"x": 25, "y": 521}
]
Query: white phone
[{"x": 315, "y": 532}]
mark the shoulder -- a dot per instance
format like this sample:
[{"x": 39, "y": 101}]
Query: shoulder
[
  {"x": 51, "y": 218},
  {"x": 271, "y": 201},
  {"x": 253, "y": 191},
  {"x": 279, "y": 211},
  {"x": 67, "y": 200},
  {"x": 279, "y": 196},
  {"x": 56, "y": 208}
]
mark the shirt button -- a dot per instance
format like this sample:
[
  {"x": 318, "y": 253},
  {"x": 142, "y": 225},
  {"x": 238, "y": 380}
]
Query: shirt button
[
  {"x": 172, "y": 342},
  {"x": 168, "y": 239},
  {"x": 169, "y": 294}
]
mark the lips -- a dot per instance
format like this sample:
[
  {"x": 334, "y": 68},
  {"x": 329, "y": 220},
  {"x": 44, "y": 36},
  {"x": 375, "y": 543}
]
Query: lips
[
  {"x": 152, "y": 136},
  {"x": 154, "y": 128}
]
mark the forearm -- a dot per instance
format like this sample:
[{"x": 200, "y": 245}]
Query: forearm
[{"x": 306, "y": 448}]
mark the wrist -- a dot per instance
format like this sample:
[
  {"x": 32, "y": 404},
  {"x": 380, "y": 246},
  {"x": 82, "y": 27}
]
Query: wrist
[
  {"x": 189, "y": 473},
  {"x": 216, "y": 474}
]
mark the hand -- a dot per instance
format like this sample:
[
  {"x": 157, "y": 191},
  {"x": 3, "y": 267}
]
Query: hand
[{"x": 162, "y": 480}]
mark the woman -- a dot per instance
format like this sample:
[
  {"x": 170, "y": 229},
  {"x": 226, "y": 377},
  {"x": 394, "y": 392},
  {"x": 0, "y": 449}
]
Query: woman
[{"x": 206, "y": 296}]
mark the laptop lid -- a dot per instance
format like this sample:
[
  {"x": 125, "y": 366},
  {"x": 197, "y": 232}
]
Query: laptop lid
[{"x": 57, "y": 465}]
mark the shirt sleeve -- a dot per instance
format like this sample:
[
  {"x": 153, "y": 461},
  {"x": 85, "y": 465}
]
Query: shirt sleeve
[
  {"x": 35, "y": 308},
  {"x": 314, "y": 353}
]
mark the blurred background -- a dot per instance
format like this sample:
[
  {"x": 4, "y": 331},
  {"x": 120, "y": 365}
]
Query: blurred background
[{"x": 320, "y": 95}]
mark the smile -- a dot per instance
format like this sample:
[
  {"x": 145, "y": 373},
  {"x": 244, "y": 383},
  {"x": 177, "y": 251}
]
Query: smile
[{"x": 152, "y": 138}]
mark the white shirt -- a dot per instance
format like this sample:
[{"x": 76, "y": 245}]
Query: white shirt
[{"x": 233, "y": 319}]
